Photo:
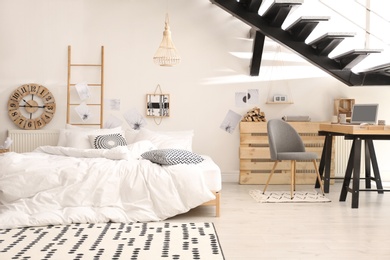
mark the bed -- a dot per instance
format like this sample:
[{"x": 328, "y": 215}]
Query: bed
[{"x": 106, "y": 175}]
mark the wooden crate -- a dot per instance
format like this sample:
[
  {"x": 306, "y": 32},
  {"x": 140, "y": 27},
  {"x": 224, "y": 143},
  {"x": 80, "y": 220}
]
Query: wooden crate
[
  {"x": 344, "y": 106},
  {"x": 255, "y": 162}
]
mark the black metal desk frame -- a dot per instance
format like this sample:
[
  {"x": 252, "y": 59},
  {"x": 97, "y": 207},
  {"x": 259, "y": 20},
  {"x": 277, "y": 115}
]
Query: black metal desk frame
[{"x": 353, "y": 166}]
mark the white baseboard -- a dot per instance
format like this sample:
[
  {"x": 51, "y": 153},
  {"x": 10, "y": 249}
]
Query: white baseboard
[
  {"x": 230, "y": 176},
  {"x": 233, "y": 176},
  {"x": 385, "y": 175}
]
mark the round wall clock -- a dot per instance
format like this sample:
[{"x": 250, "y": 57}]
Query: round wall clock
[{"x": 31, "y": 106}]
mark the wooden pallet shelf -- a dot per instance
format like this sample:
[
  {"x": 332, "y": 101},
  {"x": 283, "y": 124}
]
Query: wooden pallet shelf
[{"x": 255, "y": 162}]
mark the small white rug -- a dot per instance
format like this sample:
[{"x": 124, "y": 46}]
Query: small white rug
[
  {"x": 285, "y": 197},
  {"x": 156, "y": 240}
]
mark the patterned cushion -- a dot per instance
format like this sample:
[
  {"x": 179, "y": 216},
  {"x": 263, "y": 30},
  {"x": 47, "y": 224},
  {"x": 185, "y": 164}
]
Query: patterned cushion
[
  {"x": 107, "y": 141},
  {"x": 172, "y": 157}
]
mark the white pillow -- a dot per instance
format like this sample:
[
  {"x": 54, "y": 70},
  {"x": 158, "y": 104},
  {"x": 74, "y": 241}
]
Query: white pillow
[
  {"x": 130, "y": 135},
  {"x": 78, "y": 137},
  {"x": 167, "y": 140},
  {"x": 138, "y": 148},
  {"x": 70, "y": 128},
  {"x": 62, "y": 138}
]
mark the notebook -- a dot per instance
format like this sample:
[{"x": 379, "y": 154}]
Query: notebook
[{"x": 364, "y": 113}]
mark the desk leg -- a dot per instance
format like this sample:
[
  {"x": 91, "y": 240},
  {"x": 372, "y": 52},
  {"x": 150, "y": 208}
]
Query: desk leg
[
  {"x": 367, "y": 160},
  {"x": 356, "y": 172},
  {"x": 348, "y": 174},
  {"x": 377, "y": 176},
  {"x": 322, "y": 161},
  {"x": 325, "y": 163}
]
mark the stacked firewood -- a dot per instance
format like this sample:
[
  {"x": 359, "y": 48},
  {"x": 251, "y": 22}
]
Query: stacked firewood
[{"x": 254, "y": 115}]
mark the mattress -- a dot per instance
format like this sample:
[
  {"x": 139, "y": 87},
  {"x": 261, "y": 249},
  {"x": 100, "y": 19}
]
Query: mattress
[{"x": 211, "y": 173}]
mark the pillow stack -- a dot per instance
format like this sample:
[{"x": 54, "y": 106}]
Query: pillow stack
[
  {"x": 84, "y": 138},
  {"x": 164, "y": 148}
]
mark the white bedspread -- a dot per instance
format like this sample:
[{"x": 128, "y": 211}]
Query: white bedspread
[{"x": 59, "y": 185}]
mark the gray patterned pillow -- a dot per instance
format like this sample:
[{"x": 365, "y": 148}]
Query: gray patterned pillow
[
  {"x": 107, "y": 141},
  {"x": 172, "y": 157}
]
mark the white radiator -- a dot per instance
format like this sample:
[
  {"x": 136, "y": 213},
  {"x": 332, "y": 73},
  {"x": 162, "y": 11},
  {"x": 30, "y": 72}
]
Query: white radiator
[
  {"x": 28, "y": 140},
  {"x": 342, "y": 151}
]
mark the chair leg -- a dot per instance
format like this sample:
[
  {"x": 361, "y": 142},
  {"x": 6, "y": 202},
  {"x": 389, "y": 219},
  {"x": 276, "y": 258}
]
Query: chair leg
[
  {"x": 318, "y": 177},
  {"x": 292, "y": 178},
  {"x": 270, "y": 176},
  {"x": 295, "y": 175}
]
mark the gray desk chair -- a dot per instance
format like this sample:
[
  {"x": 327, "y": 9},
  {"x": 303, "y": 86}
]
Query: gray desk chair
[{"x": 286, "y": 144}]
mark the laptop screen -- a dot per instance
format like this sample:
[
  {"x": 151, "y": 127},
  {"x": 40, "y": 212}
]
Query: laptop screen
[{"x": 364, "y": 113}]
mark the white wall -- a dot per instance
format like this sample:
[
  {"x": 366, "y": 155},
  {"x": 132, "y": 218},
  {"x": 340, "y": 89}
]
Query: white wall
[{"x": 215, "y": 52}]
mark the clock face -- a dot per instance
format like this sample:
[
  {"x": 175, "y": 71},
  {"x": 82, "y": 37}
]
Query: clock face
[{"x": 31, "y": 106}]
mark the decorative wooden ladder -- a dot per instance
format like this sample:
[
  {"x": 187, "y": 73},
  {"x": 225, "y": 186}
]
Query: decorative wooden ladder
[{"x": 71, "y": 89}]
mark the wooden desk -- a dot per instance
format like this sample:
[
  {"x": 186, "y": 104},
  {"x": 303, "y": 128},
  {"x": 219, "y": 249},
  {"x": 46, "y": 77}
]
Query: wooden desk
[{"x": 355, "y": 133}]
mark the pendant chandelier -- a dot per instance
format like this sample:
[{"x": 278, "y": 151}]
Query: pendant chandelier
[{"x": 166, "y": 54}]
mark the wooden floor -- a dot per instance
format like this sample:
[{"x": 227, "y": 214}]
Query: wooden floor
[{"x": 250, "y": 230}]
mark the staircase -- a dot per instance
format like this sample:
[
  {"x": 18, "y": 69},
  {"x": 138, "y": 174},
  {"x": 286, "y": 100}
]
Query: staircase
[{"x": 293, "y": 37}]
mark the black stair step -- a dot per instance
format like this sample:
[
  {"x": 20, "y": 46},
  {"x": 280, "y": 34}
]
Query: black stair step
[
  {"x": 383, "y": 69},
  {"x": 304, "y": 25},
  {"x": 251, "y": 5},
  {"x": 262, "y": 28},
  {"x": 328, "y": 41},
  {"x": 278, "y": 10},
  {"x": 351, "y": 58}
]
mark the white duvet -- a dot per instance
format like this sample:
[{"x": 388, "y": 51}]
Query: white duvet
[{"x": 60, "y": 185}]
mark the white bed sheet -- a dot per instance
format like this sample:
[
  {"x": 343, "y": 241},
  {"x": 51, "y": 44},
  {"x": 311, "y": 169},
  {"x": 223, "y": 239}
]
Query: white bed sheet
[{"x": 41, "y": 188}]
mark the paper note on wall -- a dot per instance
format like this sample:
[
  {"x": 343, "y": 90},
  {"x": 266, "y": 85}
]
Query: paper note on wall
[
  {"x": 232, "y": 119},
  {"x": 83, "y": 91},
  {"x": 83, "y": 111},
  {"x": 134, "y": 119}
]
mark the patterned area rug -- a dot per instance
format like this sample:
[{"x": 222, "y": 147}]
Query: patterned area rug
[
  {"x": 153, "y": 240},
  {"x": 285, "y": 197}
]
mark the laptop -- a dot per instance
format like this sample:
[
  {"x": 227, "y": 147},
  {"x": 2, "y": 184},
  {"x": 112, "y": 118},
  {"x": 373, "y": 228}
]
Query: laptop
[{"x": 364, "y": 114}]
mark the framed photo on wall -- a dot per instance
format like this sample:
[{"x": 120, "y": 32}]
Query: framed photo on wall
[
  {"x": 280, "y": 98},
  {"x": 157, "y": 105}
]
